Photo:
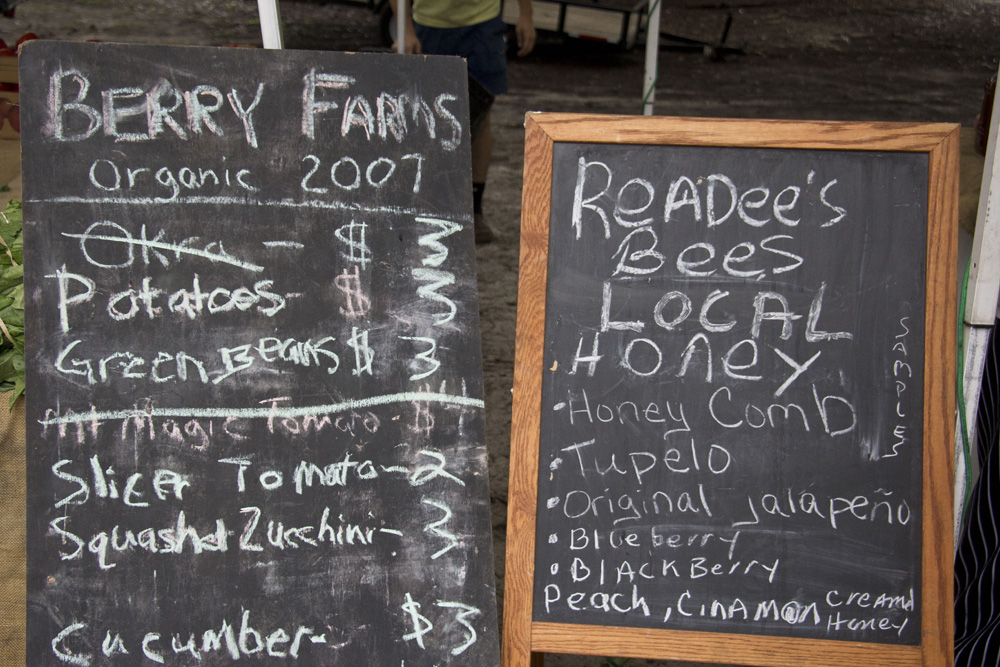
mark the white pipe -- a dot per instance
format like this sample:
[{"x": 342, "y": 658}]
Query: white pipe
[
  {"x": 270, "y": 24},
  {"x": 652, "y": 53},
  {"x": 401, "y": 8}
]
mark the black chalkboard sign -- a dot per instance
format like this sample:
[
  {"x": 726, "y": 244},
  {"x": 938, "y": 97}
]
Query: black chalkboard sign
[
  {"x": 731, "y": 431},
  {"x": 255, "y": 406}
]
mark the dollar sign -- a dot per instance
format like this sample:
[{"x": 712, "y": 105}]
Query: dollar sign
[
  {"x": 423, "y": 421},
  {"x": 350, "y": 285},
  {"x": 421, "y": 626},
  {"x": 363, "y": 353},
  {"x": 353, "y": 236}
]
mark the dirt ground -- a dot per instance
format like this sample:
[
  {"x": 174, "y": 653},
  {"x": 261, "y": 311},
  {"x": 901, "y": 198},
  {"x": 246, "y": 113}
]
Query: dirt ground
[{"x": 888, "y": 60}]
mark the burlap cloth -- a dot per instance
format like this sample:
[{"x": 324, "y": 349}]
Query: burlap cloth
[{"x": 12, "y": 526}]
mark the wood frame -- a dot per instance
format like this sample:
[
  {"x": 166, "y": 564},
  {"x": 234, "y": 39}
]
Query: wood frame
[{"x": 524, "y": 640}]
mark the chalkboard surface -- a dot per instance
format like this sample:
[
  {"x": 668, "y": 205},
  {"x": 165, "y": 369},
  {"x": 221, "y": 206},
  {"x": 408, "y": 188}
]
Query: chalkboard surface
[
  {"x": 255, "y": 413},
  {"x": 731, "y": 420},
  {"x": 718, "y": 426}
]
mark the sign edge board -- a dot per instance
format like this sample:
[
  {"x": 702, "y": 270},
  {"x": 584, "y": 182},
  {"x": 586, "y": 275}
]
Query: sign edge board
[
  {"x": 476, "y": 561},
  {"x": 523, "y": 636}
]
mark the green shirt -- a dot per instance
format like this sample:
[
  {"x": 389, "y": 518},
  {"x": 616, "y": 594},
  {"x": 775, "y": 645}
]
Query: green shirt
[{"x": 454, "y": 13}]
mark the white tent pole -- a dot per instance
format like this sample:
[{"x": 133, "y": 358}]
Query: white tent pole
[
  {"x": 270, "y": 24},
  {"x": 401, "y": 8},
  {"x": 652, "y": 53}
]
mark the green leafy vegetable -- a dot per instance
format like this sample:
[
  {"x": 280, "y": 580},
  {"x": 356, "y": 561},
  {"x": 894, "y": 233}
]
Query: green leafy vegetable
[{"x": 11, "y": 302}]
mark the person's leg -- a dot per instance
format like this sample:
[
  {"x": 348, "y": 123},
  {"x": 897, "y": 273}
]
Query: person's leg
[
  {"x": 484, "y": 48},
  {"x": 486, "y": 54},
  {"x": 482, "y": 150}
]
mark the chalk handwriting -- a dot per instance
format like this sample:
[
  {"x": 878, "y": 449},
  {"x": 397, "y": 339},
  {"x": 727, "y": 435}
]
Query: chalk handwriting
[
  {"x": 270, "y": 412},
  {"x": 231, "y": 641},
  {"x": 699, "y": 357},
  {"x": 150, "y": 248},
  {"x": 134, "y": 113}
]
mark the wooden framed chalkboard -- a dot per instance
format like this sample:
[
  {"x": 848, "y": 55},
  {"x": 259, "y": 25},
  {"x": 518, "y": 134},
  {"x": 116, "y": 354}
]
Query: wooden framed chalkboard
[
  {"x": 733, "y": 400},
  {"x": 255, "y": 402}
]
